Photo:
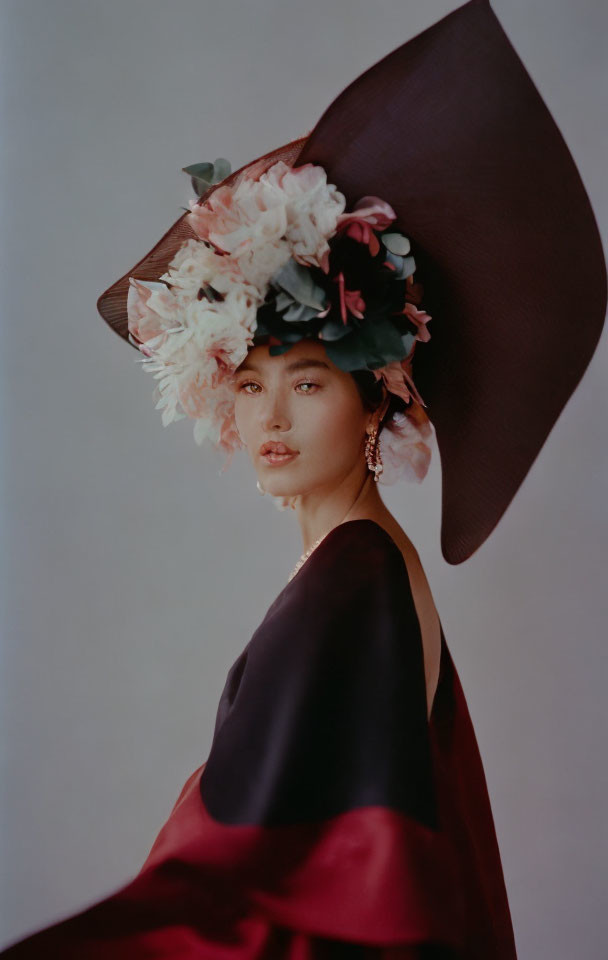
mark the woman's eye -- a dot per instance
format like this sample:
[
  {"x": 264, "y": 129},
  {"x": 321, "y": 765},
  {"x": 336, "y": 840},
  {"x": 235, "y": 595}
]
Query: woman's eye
[
  {"x": 303, "y": 383},
  {"x": 307, "y": 383}
]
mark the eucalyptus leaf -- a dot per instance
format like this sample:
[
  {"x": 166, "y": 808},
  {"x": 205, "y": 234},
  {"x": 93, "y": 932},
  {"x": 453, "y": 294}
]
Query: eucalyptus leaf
[
  {"x": 299, "y": 313},
  {"x": 205, "y": 175},
  {"x": 404, "y": 266},
  {"x": 397, "y": 263},
  {"x": 348, "y": 353},
  {"x": 407, "y": 340},
  {"x": 334, "y": 330},
  {"x": 283, "y": 300},
  {"x": 383, "y": 341},
  {"x": 299, "y": 282},
  {"x": 222, "y": 169},
  {"x": 204, "y": 171},
  {"x": 199, "y": 186},
  {"x": 396, "y": 243}
]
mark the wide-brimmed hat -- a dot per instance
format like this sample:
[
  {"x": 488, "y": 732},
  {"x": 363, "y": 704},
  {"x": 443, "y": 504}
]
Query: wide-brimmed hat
[{"x": 450, "y": 130}]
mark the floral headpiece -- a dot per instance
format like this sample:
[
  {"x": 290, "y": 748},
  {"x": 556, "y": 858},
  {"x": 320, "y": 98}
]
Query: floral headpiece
[{"x": 277, "y": 260}]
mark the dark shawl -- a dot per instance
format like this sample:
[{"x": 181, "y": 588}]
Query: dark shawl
[{"x": 331, "y": 819}]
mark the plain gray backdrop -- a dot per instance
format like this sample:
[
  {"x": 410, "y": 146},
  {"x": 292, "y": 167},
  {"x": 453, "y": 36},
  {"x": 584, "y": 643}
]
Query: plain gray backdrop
[{"x": 133, "y": 574}]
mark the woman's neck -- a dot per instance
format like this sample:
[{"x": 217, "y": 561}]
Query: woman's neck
[{"x": 355, "y": 498}]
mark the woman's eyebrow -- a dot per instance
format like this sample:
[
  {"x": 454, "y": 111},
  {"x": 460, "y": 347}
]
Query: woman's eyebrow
[{"x": 295, "y": 365}]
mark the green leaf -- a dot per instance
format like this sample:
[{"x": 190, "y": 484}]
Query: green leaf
[
  {"x": 298, "y": 281},
  {"x": 334, "y": 329},
  {"x": 348, "y": 353},
  {"x": 205, "y": 175},
  {"x": 404, "y": 266},
  {"x": 407, "y": 340},
  {"x": 204, "y": 171},
  {"x": 299, "y": 313},
  {"x": 283, "y": 300},
  {"x": 396, "y": 243},
  {"x": 383, "y": 341},
  {"x": 222, "y": 169}
]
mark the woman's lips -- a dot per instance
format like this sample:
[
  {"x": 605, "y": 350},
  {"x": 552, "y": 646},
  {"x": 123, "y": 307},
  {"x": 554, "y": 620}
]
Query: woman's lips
[{"x": 275, "y": 459}]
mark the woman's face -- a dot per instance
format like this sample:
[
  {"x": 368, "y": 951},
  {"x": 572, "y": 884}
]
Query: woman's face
[{"x": 303, "y": 400}]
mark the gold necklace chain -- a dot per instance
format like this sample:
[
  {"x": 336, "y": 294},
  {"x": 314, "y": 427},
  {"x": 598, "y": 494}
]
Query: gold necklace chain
[{"x": 305, "y": 557}]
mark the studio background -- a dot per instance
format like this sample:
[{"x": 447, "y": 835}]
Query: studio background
[{"x": 134, "y": 573}]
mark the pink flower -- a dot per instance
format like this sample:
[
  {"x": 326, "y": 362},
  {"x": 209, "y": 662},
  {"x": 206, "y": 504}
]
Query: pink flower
[
  {"x": 313, "y": 208},
  {"x": 349, "y": 300},
  {"x": 397, "y": 377},
  {"x": 420, "y": 318},
  {"x": 262, "y": 222},
  {"x": 151, "y": 311},
  {"x": 192, "y": 396},
  {"x": 229, "y": 439},
  {"x": 367, "y": 215},
  {"x": 216, "y": 216}
]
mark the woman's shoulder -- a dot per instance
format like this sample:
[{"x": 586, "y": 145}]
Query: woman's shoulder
[
  {"x": 356, "y": 555},
  {"x": 356, "y": 572}
]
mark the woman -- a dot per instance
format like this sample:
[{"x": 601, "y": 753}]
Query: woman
[
  {"x": 343, "y": 809},
  {"x": 327, "y": 477}
]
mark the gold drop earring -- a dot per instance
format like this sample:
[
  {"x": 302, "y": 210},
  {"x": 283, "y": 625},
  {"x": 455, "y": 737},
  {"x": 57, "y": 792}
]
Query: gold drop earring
[{"x": 372, "y": 453}]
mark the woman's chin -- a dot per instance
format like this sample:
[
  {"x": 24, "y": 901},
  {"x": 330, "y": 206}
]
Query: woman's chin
[{"x": 279, "y": 486}]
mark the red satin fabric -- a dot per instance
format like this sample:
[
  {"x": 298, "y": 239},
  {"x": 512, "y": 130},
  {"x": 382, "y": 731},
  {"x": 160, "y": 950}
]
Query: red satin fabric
[
  {"x": 418, "y": 876},
  {"x": 184, "y": 902}
]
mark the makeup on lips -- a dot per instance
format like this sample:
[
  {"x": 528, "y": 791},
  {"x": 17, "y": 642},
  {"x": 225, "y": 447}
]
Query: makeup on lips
[{"x": 276, "y": 453}]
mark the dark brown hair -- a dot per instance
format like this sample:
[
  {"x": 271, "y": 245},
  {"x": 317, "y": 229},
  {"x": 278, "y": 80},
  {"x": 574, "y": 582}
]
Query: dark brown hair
[{"x": 370, "y": 391}]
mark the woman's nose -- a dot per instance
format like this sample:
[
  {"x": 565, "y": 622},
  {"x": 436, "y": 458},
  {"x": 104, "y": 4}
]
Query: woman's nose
[{"x": 274, "y": 412}]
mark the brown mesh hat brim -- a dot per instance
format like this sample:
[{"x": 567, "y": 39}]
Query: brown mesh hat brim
[
  {"x": 112, "y": 304},
  {"x": 451, "y": 131}
]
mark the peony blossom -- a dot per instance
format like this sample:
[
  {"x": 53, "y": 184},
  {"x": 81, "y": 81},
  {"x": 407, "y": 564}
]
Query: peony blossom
[{"x": 151, "y": 310}]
